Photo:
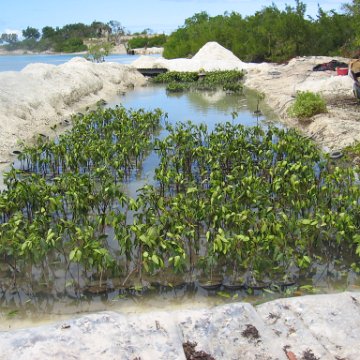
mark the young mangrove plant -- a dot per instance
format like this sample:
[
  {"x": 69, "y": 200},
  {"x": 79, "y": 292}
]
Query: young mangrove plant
[{"x": 239, "y": 203}]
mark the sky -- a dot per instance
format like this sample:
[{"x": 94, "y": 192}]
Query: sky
[{"x": 162, "y": 16}]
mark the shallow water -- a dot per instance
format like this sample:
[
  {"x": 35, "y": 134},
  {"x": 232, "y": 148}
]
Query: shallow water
[{"x": 209, "y": 108}]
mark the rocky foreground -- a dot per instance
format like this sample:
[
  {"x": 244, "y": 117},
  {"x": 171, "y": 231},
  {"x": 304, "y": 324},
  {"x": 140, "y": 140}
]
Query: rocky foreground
[{"x": 311, "y": 327}]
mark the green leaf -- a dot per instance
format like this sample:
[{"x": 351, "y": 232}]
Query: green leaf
[
  {"x": 223, "y": 294},
  {"x": 12, "y": 313},
  {"x": 191, "y": 190},
  {"x": 155, "y": 259}
]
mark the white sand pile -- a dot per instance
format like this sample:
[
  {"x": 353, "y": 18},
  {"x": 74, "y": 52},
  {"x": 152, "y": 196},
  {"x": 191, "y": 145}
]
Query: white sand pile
[
  {"x": 210, "y": 57},
  {"x": 41, "y": 94},
  {"x": 213, "y": 51}
]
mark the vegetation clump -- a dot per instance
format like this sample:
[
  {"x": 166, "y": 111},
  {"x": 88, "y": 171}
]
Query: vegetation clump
[
  {"x": 306, "y": 105},
  {"x": 69, "y": 38},
  {"x": 176, "y": 87},
  {"x": 228, "y": 80},
  {"x": 234, "y": 202},
  {"x": 176, "y": 76},
  {"x": 353, "y": 151},
  {"x": 146, "y": 41}
]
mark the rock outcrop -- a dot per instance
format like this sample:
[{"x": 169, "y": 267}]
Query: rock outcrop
[{"x": 310, "y": 327}]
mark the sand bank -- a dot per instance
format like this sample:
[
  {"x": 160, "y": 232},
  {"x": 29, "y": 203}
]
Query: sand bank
[
  {"x": 337, "y": 128},
  {"x": 42, "y": 95}
]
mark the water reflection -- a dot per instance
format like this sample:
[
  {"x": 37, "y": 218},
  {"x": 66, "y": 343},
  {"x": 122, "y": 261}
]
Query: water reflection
[{"x": 209, "y": 107}]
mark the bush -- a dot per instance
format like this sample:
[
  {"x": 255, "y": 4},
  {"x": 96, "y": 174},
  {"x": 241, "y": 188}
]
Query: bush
[
  {"x": 307, "y": 104},
  {"x": 145, "y": 41},
  {"x": 230, "y": 87},
  {"x": 176, "y": 76},
  {"x": 176, "y": 87}
]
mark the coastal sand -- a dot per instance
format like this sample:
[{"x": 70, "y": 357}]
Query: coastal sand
[{"x": 42, "y": 95}]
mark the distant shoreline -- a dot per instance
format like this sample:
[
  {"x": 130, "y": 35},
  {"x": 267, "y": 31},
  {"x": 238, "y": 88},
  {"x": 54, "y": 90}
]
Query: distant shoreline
[
  {"x": 117, "y": 50},
  {"x": 27, "y": 52}
]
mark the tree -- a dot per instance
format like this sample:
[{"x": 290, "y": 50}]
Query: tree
[
  {"x": 353, "y": 10},
  {"x": 48, "y": 32},
  {"x": 117, "y": 30},
  {"x": 97, "y": 52},
  {"x": 31, "y": 33},
  {"x": 100, "y": 30},
  {"x": 9, "y": 38}
]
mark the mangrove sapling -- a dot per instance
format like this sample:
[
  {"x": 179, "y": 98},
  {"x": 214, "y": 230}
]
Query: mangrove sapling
[
  {"x": 254, "y": 199},
  {"x": 208, "y": 263}
]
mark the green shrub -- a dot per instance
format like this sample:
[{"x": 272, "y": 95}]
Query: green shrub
[
  {"x": 229, "y": 80},
  {"x": 176, "y": 87},
  {"x": 145, "y": 41},
  {"x": 307, "y": 104},
  {"x": 230, "y": 87},
  {"x": 222, "y": 77},
  {"x": 176, "y": 76}
]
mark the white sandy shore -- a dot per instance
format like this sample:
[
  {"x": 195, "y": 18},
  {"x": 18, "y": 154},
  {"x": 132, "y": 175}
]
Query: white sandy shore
[{"x": 42, "y": 95}]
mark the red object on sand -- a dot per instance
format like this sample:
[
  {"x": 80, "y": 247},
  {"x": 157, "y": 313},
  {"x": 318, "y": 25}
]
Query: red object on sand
[
  {"x": 290, "y": 355},
  {"x": 342, "y": 71}
]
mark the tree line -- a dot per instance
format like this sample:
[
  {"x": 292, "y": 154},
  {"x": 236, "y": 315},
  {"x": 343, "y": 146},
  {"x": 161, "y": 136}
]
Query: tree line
[
  {"x": 271, "y": 34},
  {"x": 75, "y": 37},
  {"x": 69, "y": 38}
]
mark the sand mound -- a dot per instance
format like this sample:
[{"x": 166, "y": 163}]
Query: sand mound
[
  {"x": 41, "y": 94},
  {"x": 210, "y": 57},
  {"x": 213, "y": 51}
]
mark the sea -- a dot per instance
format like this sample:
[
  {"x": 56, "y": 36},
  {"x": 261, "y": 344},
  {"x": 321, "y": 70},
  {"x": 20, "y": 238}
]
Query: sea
[{"x": 18, "y": 62}]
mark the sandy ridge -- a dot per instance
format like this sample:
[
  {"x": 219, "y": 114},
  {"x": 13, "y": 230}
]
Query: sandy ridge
[{"x": 41, "y": 95}]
